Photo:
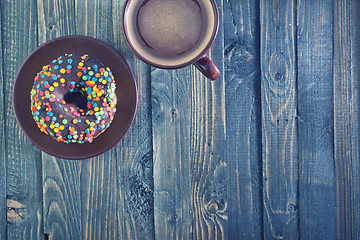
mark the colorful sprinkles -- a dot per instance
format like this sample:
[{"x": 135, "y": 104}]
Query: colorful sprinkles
[{"x": 79, "y": 77}]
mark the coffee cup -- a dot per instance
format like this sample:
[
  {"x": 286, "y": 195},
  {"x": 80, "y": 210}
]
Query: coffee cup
[{"x": 172, "y": 34}]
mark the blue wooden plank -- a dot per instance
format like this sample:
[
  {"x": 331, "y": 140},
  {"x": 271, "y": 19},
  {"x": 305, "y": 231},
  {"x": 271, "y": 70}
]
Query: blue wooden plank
[
  {"x": 23, "y": 160},
  {"x": 346, "y": 118},
  {"x": 3, "y": 220},
  {"x": 55, "y": 19},
  {"x": 61, "y": 189},
  {"x": 134, "y": 162},
  {"x": 243, "y": 134},
  {"x": 207, "y": 153},
  {"x": 279, "y": 110},
  {"x": 188, "y": 122},
  {"x": 94, "y": 19},
  {"x": 99, "y": 192},
  {"x": 171, "y": 133},
  {"x": 316, "y": 120}
]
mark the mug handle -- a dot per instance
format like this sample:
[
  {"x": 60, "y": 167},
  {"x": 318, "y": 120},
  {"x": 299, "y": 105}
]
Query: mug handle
[{"x": 207, "y": 67}]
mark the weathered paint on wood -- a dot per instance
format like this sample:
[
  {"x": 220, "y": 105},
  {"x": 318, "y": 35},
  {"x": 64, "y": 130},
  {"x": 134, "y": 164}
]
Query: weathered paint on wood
[
  {"x": 316, "y": 120},
  {"x": 3, "y": 208},
  {"x": 255, "y": 154},
  {"x": 55, "y": 18},
  {"x": 99, "y": 197},
  {"x": 279, "y": 131},
  {"x": 346, "y": 119},
  {"x": 243, "y": 133},
  {"x": 62, "y": 204},
  {"x": 23, "y": 161},
  {"x": 134, "y": 166},
  {"x": 171, "y": 139},
  {"x": 134, "y": 161},
  {"x": 208, "y": 134},
  {"x": 188, "y": 136},
  {"x": 94, "y": 19},
  {"x": 208, "y": 166}
]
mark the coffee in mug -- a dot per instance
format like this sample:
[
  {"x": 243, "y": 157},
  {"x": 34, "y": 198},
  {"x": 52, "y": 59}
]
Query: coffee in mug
[{"x": 172, "y": 33}]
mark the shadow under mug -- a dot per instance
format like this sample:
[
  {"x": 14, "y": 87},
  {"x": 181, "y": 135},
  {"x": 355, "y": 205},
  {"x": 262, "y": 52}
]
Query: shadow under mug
[{"x": 172, "y": 34}]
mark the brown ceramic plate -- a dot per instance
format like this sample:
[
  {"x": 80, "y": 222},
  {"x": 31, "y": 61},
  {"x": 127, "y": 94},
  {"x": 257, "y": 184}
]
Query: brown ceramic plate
[{"x": 125, "y": 91}]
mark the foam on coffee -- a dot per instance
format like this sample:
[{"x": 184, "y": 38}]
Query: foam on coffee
[
  {"x": 167, "y": 30},
  {"x": 170, "y": 32}
]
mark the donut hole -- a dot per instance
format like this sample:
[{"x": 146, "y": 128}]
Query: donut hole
[{"x": 76, "y": 98}]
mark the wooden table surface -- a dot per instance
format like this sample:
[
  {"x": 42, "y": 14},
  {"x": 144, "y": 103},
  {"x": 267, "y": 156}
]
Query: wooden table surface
[{"x": 269, "y": 150}]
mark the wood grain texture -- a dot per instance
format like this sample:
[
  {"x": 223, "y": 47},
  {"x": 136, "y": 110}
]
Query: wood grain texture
[
  {"x": 94, "y": 19},
  {"x": 3, "y": 208},
  {"x": 61, "y": 178},
  {"x": 23, "y": 160},
  {"x": 190, "y": 198},
  {"x": 207, "y": 151},
  {"x": 99, "y": 197},
  {"x": 346, "y": 118},
  {"x": 207, "y": 147},
  {"x": 269, "y": 150},
  {"x": 171, "y": 96},
  {"x": 316, "y": 120},
  {"x": 98, "y": 175},
  {"x": 134, "y": 163},
  {"x": 55, "y": 18},
  {"x": 62, "y": 200},
  {"x": 243, "y": 119},
  {"x": 279, "y": 130}
]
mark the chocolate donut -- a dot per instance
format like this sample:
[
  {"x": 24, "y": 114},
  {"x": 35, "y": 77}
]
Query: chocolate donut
[{"x": 73, "y": 98}]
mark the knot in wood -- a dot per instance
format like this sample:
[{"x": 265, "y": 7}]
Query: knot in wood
[
  {"x": 51, "y": 26},
  {"x": 239, "y": 56},
  {"x": 278, "y": 76},
  {"x": 213, "y": 207},
  {"x": 291, "y": 208},
  {"x": 174, "y": 218},
  {"x": 16, "y": 211}
]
